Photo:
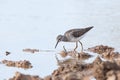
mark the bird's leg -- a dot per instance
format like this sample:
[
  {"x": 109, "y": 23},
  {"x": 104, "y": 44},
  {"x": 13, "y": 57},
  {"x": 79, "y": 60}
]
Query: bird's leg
[
  {"x": 81, "y": 46},
  {"x": 64, "y": 49},
  {"x": 76, "y": 46},
  {"x": 58, "y": 61}
]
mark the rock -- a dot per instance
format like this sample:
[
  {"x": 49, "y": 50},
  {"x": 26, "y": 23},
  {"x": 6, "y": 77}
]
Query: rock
[
  {"x": 100, "y": 49},
  {"x": 20, "y": 76},
  {"x": 30, "y": 50},
  {"x": 20, "y": 64},
  {"x": 63, "y": 54}
]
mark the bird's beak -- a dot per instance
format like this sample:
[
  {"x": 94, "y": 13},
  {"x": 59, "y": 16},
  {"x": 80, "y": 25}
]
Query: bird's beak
[{"x": 57, "y": 43}]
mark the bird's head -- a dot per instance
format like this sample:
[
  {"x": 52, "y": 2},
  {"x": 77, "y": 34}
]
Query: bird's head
[{"x": 59, "y": 38}]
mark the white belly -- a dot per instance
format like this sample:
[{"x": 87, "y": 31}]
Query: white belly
[{"x": 74, "y": 39}]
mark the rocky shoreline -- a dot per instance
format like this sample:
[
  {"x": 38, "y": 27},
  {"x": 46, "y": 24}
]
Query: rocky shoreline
[{"x": 106, "y": 66}]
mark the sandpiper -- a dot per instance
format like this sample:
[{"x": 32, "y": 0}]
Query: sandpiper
[{"x": 73, "y": 35}]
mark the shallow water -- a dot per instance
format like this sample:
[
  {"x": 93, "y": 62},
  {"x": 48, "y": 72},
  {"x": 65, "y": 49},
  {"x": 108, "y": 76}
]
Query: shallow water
[{"x": 36, "y": 23}]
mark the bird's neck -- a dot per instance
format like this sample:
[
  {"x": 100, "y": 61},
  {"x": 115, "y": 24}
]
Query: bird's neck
[{"x": 64, "y": 38}]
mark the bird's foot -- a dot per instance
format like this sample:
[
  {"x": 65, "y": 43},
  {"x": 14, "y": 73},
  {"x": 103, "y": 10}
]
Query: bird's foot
[
  {"x": 75, "y": 51},
  {"x": 82, "y": 51}
]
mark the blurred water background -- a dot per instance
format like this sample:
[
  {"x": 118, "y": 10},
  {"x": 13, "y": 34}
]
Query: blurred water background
[{"x": 36, "y": 23}]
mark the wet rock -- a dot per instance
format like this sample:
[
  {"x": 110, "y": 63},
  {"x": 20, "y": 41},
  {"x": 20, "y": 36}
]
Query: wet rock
[
  {"x": 102, "y": 70},
  {"x": 111, "y": 55},
  {"x": 83, "y": 56},
  {"x": 72, "y": 53},
  {"x": 111, "y": 75},
  {"x": 20, "y": 64},
  {"x": 106, "y": 52},
  {"x": 75, "y": 54},
  {"x": 20, "y": 76},
  {"x": 97, "y": 60},
  {"x": 30, "y": 50},
  {"x": 7, "y": 53},
  {"x": 63, "y": 54},
  {"x": 56, "y": 78},
  {"x": 73, "y": 69},
  {"x": 72, "y": 76},
  {"x": 101, "y": 49},
  {"x": 49, "y": 77}
]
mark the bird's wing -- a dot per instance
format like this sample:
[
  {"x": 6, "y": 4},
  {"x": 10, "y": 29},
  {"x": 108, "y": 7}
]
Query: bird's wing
[{"x": 78, "y": 32}]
